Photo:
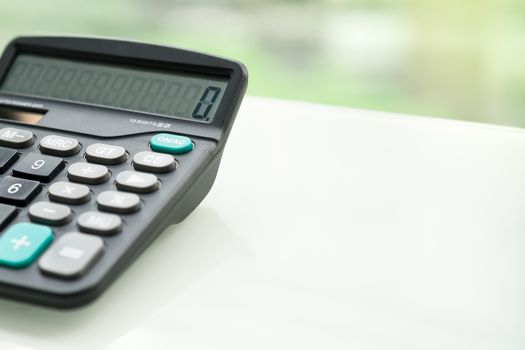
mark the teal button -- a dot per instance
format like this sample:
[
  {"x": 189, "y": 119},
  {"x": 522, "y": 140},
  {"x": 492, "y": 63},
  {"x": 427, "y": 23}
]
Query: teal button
[
  {"x": 22, "y": 244},
  {"x": 170, "y": 143}
]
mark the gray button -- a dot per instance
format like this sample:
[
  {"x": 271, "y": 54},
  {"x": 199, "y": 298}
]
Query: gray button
[
  {"x": 68, "y": 192},
  {"x": 59, "y": 145},
  {"x": 118, "y": 202},
  {"x": 16, "y": 138},
  {"x": 134, "y": 181},
  {"x": 154, "y": 162},
  {"x": 88, "y": 173},
  {"x": 71, "y": 255},
  {"x": 100, "y": 223},
  {"x": 50, "y": 213},
  {"x": 105, "y": 154}
]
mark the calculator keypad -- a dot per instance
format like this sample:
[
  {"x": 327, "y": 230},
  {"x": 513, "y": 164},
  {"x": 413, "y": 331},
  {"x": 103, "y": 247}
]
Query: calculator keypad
[
  {"x": 38, "y": 167},
  {"x": 22, "y": 243},
  {"x": 72, "y": 253},
  {"x": 88, "y": 173},
  {"x": 69, "y": 192},
  {"x": 154, "y": 162},
  {"x": 18, "y": 191},
  {"x": 106, "y": 154},
  {"x": 50, "y": 213},
  {"x": 118, "y": 202},
  {"x": 7, "y": 214},
  {"x": 99, "y": 223},
  {"x": 134, "y": 181},
  {"x": 16, "y": 138},
  {"x": 59, "y": 145},
  {"x": 7, "y": 158}
]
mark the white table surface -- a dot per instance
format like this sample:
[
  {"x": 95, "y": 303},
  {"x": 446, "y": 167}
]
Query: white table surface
[{"x": 327, "y": 228}]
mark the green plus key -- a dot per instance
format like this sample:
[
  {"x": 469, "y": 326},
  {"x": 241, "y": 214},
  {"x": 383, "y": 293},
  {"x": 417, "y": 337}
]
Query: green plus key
[
  {"x": 171, "y": 143},
  {"x": 22, "y": 244}
]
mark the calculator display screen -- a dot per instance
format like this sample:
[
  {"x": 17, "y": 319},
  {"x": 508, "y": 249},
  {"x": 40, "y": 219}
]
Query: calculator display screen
[{"x": 182, "y": 95}]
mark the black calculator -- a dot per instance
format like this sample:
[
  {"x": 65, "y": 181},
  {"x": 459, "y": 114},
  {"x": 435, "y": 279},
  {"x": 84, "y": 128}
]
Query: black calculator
[{"x": 103, "y": 144}]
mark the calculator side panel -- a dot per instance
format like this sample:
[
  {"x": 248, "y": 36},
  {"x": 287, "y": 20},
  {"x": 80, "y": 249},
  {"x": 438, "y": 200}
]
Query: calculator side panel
[{"x": 180, "y": 209}]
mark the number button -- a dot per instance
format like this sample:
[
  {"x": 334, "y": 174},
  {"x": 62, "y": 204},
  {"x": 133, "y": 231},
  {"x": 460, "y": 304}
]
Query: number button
[
  {"x": 18, "y": 191},
  {"x": 16, "y": 138},
  {"x": 105, "y": 154},
  {"x": 7, "y": 158},
  {"x": 50, "y": 213},
  {"x": 7, "y": 213},
  {"x": 154, "y": 162},
  {"x": 22, "y": 243},
  {"x": 88, "y": 173},
  {"x": 69, "y": 192},
  {"x": 99, "y": 223},
  {"x": 71, "y": 255},
  {"x": 59, "y": 145},
  {"x": 39, "y": 167},
  {"x": 118, "y": 202},
  {"x": 133, "y": 181}
]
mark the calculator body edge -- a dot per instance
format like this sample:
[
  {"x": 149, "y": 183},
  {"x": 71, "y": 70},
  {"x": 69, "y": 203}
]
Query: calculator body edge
[{"x": 179, "y": 194}]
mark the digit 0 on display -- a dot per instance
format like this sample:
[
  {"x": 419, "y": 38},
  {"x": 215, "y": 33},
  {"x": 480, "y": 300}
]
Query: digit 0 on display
[
  {"x": 170, "y": 94},
  {"x": 104, "y": 144}
]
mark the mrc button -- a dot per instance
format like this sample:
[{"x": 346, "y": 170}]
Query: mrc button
[
  {"x": 59, "y": 145},
  {"x": 170, "y": 143}
]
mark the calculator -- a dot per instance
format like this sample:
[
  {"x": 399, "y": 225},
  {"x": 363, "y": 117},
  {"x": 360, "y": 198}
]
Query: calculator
[{"x": 103, "y": 144}]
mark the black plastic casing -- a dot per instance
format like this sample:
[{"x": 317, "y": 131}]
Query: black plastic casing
[{"x": 181, "y": 191}]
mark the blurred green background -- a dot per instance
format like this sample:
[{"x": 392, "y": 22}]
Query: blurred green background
[{"x": 446, "y": 58}]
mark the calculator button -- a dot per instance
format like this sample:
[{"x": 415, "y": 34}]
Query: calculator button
[
  {"x": 71, "y": 255},
  {"x": 69, "y": 192},
  {"x": 22, "y": 243},
  {"x": 7, "y": 158},
  {"x": 134, "y": 181},
  {"x": 16, "y": 138},
  {"x": 118, "y": 202},
  {"x": 88, "y": 173},
  {"x": 170, "y": 143},
  {"x": 99, "y": 223},
  {"x": 154, "y": 162},
  {"x": 39, "y": 167},
  {"x": 18, "y": 191},
  {"x": 50, "y": 213},
  {"x": 105, "y": 154},
  {"x": 59, "y": 145},
  {"x": 7, "y": 213}
]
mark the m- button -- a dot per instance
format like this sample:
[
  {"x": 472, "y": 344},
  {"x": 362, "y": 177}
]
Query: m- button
[
  {"x": 105, "y": 154},
  {"x": 16, "y": 138},
  {"x": 154, "y": 162}
]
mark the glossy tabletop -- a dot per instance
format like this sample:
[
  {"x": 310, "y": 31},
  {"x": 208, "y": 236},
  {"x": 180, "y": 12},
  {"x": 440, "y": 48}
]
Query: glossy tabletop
[{"x": 327, "y": 228}]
